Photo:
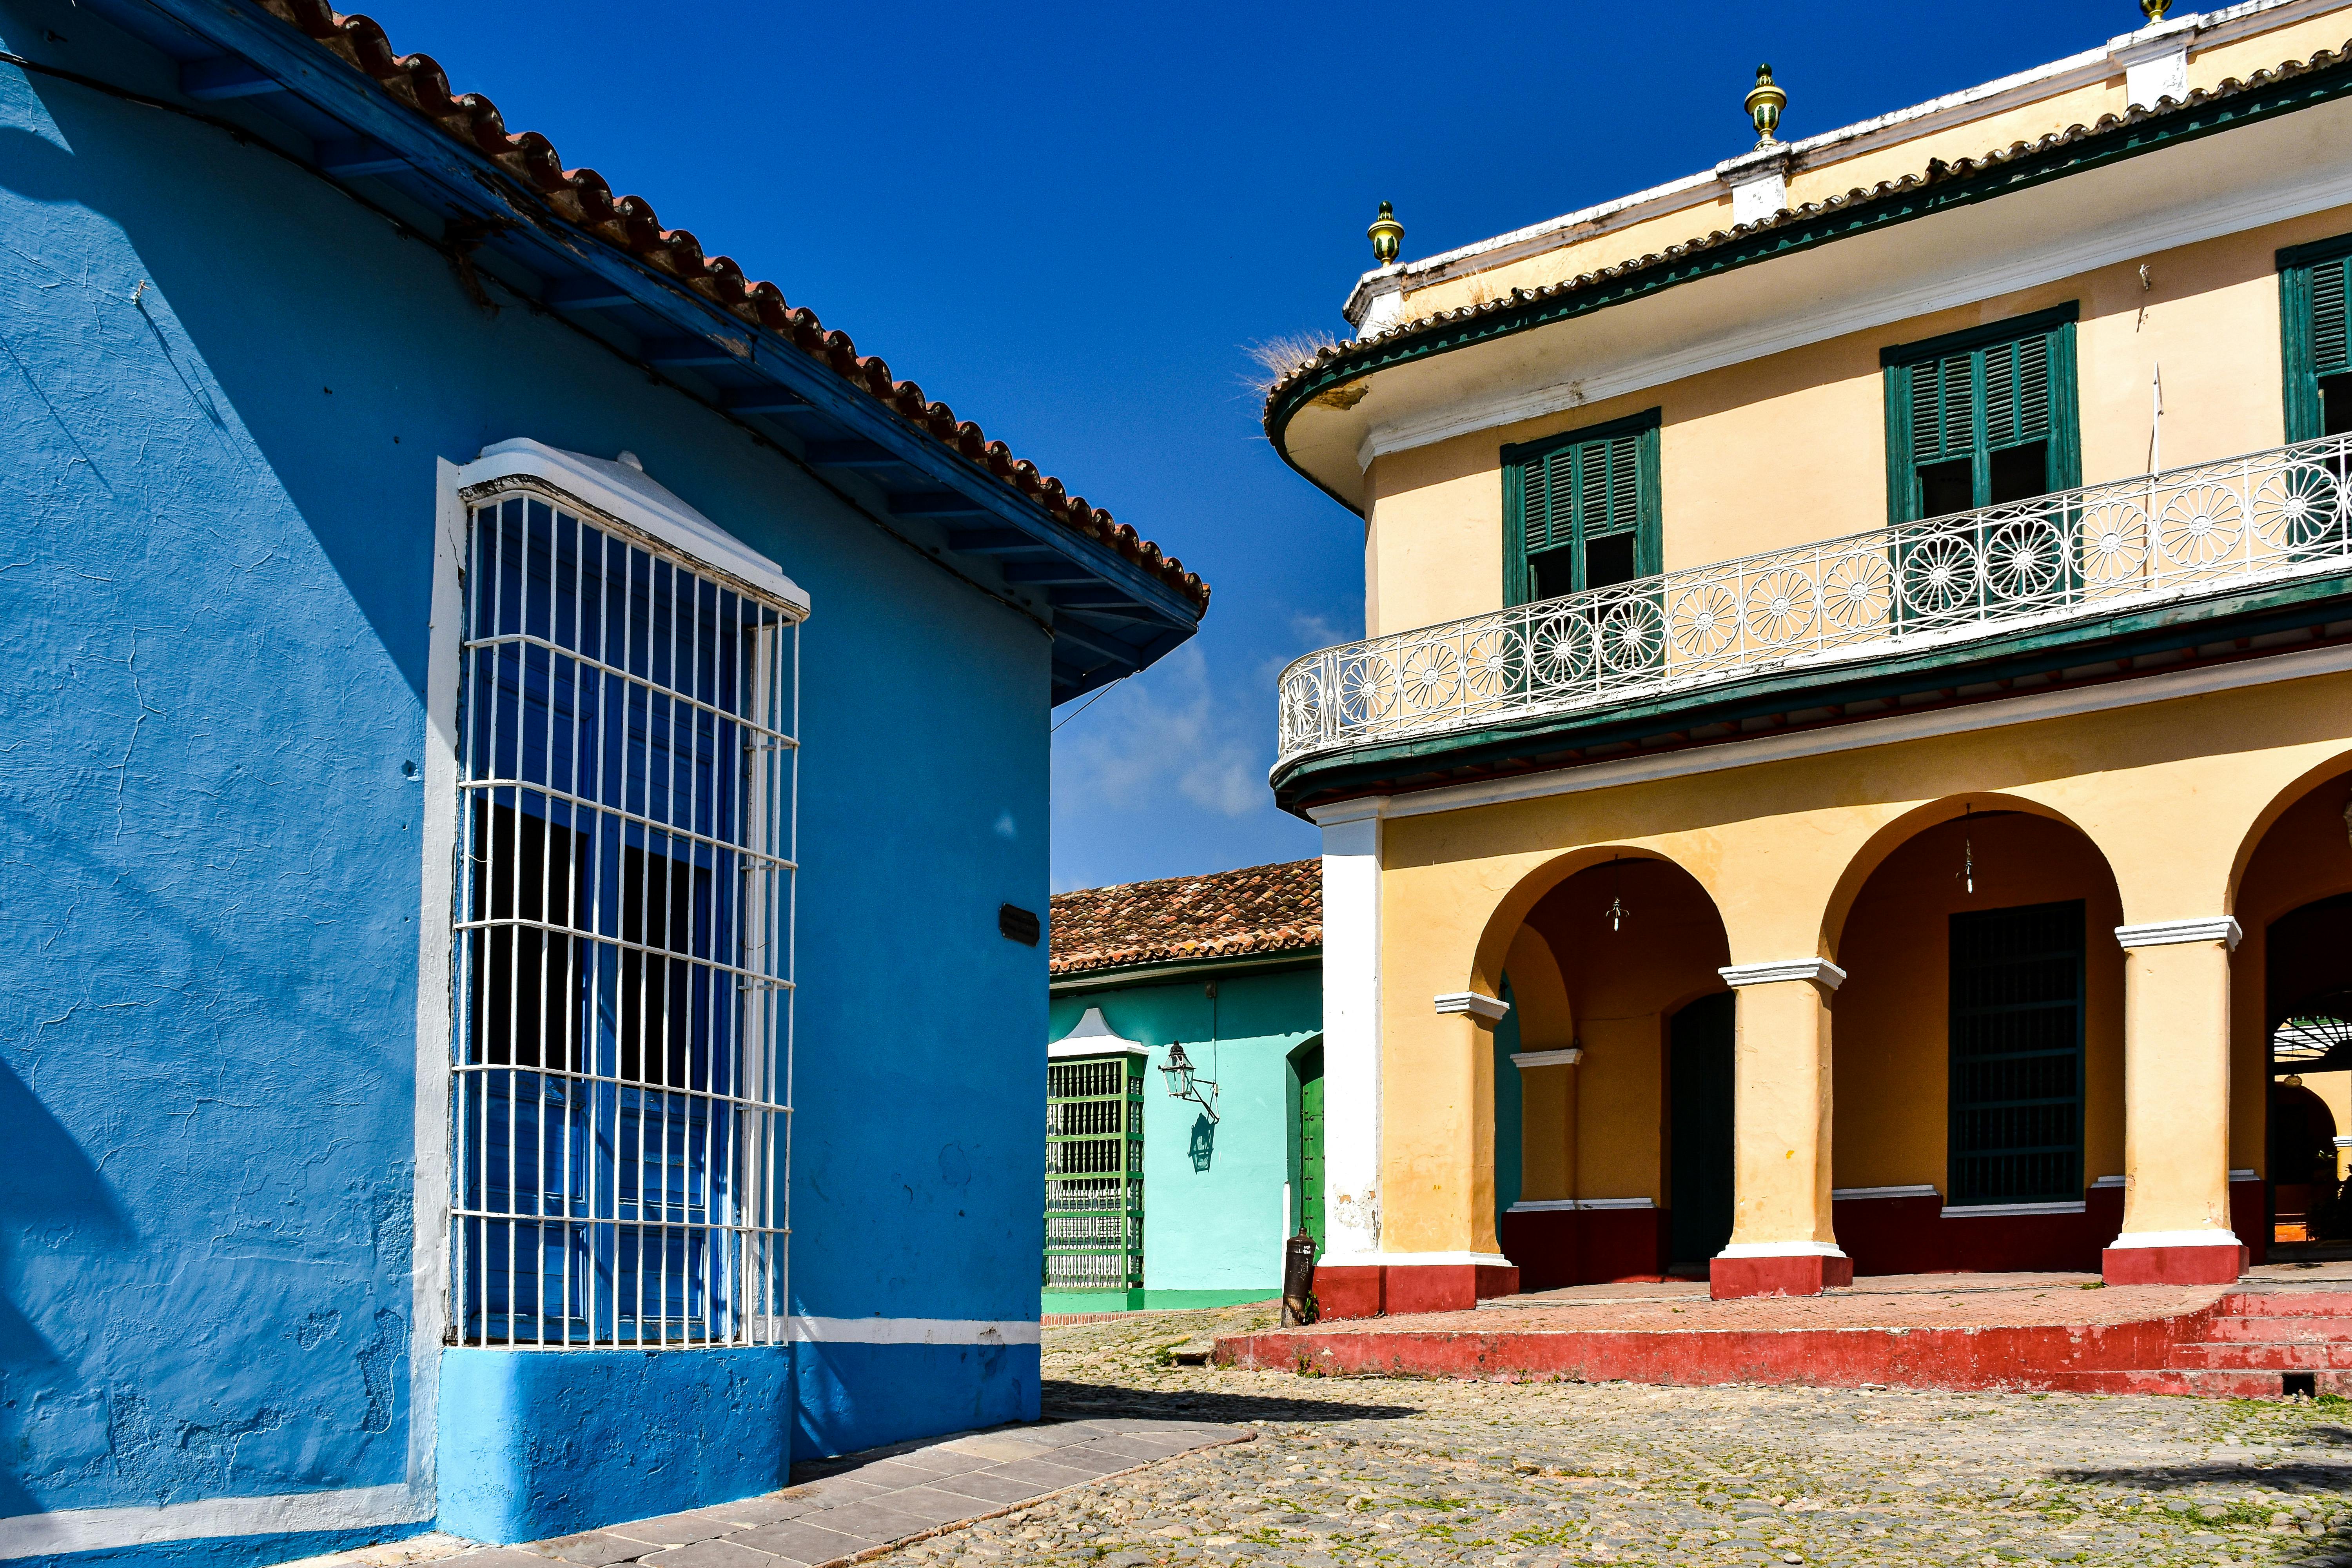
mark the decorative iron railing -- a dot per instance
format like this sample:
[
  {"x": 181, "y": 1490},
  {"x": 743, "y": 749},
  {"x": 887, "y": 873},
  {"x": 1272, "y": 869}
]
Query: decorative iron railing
[{"x": 1949, "y": 579}]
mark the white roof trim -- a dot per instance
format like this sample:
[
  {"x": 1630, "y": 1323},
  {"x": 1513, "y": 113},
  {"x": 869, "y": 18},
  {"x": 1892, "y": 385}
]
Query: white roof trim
[
  {"x": 1093, "y": 1038},
  {"x": 1954, "y": 109},
  {"x": 625, "y": 494}
]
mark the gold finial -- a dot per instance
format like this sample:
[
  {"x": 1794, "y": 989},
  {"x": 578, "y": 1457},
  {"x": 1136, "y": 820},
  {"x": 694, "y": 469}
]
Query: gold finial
[
  {"x": 1386, "y": 234},
  {"x": 1764, "y": 102},
  {"x": 2154, "y": 10}
]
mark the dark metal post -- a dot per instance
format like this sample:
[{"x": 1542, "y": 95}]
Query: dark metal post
[{"x": 1298, "y": 1280}]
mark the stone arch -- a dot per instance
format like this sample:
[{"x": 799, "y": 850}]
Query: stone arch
[
  {"x": 1894, "y": 835},
  {"x": 2312, "y": 779}
]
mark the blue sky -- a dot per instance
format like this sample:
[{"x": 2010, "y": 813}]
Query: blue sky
[{"x": 1070, "y": 222}]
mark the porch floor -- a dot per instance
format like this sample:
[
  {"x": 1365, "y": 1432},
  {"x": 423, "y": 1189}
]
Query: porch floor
[{"x": 2281, "y": 1330}]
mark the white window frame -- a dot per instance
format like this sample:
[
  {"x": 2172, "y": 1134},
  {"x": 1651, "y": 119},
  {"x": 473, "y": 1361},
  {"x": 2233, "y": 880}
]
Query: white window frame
[{"x": 618, "y": 500}]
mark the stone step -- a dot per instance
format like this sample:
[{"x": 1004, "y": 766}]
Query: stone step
[
  {"x": 2297, "y": 1304},
  {"x": 2203, "y": 1384},
  {"x": 2275, "y": 1331},
  {"x": 2277, "y": 1356}
]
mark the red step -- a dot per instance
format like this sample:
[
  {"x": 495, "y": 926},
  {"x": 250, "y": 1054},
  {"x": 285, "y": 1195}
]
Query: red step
[
  {"x": 2276, "y": 1330},
  {"x": 2169, "y": 1380},
  {"x": 2301, "y": 1304},
  {"x": 2276, "y": 1355}
]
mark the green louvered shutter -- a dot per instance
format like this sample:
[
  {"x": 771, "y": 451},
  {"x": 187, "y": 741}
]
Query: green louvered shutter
[
  {"x": 1982, "y": 418},
  {"x": 1093, "y": 1173},
  {"x": 2314, "y": 293},
  {"x": 1581, "y": 509}
]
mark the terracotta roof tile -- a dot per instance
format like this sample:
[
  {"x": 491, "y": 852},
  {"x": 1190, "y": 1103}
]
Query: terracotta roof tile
[
  {"x": 628, "y": 224},
  {"x": 1227, "y": 914},
  {"x": 1936, "y": 172}
]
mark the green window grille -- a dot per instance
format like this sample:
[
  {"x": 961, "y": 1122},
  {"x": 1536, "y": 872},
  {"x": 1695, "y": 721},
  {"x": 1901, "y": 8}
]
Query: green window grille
[
  {"x": 1093, "y": 1173},
  {"x": 1982, "y": 418},
  {"x": 2313, "y": 291},
  {"x": 2017, "y": 1055},
  {"x": 1580, "y": 510}
]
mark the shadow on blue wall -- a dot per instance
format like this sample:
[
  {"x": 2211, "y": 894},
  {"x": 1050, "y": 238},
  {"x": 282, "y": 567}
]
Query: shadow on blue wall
[
  {"x": 51, "y": 1196},
  {"x": 1204, "y": 1146}
]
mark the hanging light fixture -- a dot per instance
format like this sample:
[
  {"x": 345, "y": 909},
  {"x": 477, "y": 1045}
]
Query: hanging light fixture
[
  {"x": 1967, "y": 872},
  {"x": 1616, "y": 914},
  {"x": 1183, "y": 1084}
]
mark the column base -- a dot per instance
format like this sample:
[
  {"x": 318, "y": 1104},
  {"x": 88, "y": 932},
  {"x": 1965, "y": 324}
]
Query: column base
[
  {"x": 1380, "y": 1288},
  {"x": 2146, "y": 1260},
  {"x": 1783, "y": 1274}
]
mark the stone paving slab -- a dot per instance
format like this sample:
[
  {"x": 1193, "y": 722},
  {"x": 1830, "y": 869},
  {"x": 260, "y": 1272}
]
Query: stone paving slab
[{"x": 840, "y": 1510}]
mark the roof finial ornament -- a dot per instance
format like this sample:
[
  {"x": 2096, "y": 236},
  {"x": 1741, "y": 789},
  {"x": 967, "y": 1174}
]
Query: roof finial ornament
[
  {"x": 1764, "y": 102},
  {"x": 1386, "y": 234},
  {"x": 2154, "y": 10}
]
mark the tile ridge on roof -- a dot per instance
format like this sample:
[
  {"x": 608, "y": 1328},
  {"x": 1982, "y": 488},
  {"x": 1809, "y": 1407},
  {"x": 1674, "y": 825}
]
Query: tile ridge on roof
[
  {"x": 1936, "y": 172},
  {"x": 580, "y": 197},
  {"x": 1197, "y": 877}
]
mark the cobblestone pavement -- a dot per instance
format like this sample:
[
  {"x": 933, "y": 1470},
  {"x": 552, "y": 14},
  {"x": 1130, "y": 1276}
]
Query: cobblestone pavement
[{"x": 1530, "y": 1475}]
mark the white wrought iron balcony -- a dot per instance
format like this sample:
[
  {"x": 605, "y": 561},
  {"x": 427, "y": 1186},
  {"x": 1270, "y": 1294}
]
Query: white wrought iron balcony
[{"x": 2075, "y": 554}]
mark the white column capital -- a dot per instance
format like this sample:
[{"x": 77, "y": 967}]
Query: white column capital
[
  {"x": 1473, "y": 1003},
  {"x": 2173, "y": 933},
  {"x": 1569, "y": 1056},
  {"x": 1820, "y": 971},
  {"x": 1364, "y": 808}
]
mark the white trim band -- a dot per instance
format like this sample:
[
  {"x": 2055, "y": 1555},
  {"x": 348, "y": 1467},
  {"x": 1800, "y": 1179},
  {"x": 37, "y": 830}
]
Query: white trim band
[
  {"x": 913, "y": 1331},
  {"x": 1413, "y": 1260},
  {"x": 1782, "y": 1250},
  {"x": 1853, "y": 1195},
  {"x": 2177, "y": 1238},
  {"x": 1561, "y": 1205},
  {"x": 2105, "y": 1182},
  {"x": 1566, "y": 1057},
  {"x": 1820, "y": 971},
  {"x": 110, "y": 1529},
  {"x": 1998, "y": 1211},
  {"x": 1092, "y": 1036},
  {"x": 1488, "y": 1008},
  {"x": 2173, "y": 933}
]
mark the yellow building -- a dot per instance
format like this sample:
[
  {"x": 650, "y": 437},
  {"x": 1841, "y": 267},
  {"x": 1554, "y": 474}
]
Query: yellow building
[{"x": 1858, "y": 669}]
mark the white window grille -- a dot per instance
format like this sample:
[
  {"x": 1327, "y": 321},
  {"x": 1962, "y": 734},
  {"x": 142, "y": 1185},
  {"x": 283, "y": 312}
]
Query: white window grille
[{"x": 621, "y": 1054}]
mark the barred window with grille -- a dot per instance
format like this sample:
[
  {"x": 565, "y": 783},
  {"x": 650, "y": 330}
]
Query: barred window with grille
[
  {"x": 1093, "y": 1173},
  {"x": 620, "y": 1059},
  {"x": 1982, "y": 418},
  {"x": 2017, "y": 1055},
  {"x": 1580, "y": 510}
]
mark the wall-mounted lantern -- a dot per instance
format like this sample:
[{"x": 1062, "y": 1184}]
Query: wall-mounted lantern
[{"x": 1183, "y": 1085}]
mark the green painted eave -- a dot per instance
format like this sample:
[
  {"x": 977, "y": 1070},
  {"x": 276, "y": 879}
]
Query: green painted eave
[
  {"x": 1940, "y": 187},
  {"x": 2249, "y": 613}
]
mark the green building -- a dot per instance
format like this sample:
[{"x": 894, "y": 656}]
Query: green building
[{"x": 1164, "y": 1190}]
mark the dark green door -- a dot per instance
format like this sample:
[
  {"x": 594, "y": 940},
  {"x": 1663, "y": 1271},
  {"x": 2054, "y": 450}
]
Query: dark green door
[
  {"x": 1310, "y": 1143},
  {"x": 1699, "y": 1093}
]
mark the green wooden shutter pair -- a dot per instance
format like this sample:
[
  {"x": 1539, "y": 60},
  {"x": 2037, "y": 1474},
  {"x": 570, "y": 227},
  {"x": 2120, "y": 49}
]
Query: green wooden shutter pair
[
  {"x": 2313, "y": 288},
  {"x": 1975, "y": 406},
  {"x": 1580, "y": 510},
  {"x": 1093, "y": 1173}
]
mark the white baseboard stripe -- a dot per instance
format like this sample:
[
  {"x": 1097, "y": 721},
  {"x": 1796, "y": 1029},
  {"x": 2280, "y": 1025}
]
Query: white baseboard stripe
[
  {"x": 2177, "y": 1238},
  {"x": 1781, "y": 1250},
  {"x": 212, "y": 1518},
  {"x": 912, "y": 1331},
  {"x": 1412, "y": 1259},
  {"x": 1854, "y": 1194}
]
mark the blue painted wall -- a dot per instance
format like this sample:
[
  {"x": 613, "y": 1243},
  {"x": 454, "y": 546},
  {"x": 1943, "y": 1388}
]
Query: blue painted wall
[
  {"x": 218, "y": 504},
  {"x": 1212, "y": 1213}
]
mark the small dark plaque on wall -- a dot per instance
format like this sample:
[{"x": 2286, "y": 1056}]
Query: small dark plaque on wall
[{"x": 1017, "y": 923}]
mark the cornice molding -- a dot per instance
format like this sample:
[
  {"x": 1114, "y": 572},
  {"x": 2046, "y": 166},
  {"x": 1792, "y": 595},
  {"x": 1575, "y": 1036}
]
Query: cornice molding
[
  {"x": 1567, "y": 1057},
  {"x": 1820, "y": 971},
  {"x": 2174, "y": 933},
  {"x": 1473, "y": 1003}
]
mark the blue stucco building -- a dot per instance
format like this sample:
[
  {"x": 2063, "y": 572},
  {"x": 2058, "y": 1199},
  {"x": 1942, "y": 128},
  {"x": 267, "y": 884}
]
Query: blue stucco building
[{"x": 485, "y": 685}]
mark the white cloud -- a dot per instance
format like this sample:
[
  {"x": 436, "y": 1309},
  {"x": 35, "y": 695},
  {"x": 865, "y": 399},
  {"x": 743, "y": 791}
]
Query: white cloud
[{"x": 1170, "y": 727}]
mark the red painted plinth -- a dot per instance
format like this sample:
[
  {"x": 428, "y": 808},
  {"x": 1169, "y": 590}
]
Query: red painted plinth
[
  {"x": 1371, "y": 1291},
  {"x": 2172, "y": 1265},
  {"x": 1728, "y": 1277}
]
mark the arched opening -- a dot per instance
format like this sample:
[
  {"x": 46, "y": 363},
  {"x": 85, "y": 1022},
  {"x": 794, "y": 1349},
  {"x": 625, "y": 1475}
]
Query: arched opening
[
  {"x": 1598, "y": 971},
  {"x": 1979, "y": 1046},
  {"x": 2291, "y": 1034}
]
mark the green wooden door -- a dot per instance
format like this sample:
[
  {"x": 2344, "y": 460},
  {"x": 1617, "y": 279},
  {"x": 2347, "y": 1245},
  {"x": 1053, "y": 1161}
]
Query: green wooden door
[
  {"x": 1699, "y": 1082},
  {"x": 1311, "y": 1144}
]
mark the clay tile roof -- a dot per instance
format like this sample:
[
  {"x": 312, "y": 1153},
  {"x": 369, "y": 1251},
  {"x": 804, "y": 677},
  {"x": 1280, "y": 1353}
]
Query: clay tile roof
[
  {"x": 1368, "y": 354},
  {"x": 1227, "y": 914},
  {"x": 628, "y": 224}
]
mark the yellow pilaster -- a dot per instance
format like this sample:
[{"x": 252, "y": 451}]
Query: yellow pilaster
[
  {"x": 1439, "y": 1127},
  {"x": 2176, "y": 1080}
]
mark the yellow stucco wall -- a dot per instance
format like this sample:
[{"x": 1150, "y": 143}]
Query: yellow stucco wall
[
  {"x": 1792, "y": 447},
  {"x": 2173, "y": 796}
]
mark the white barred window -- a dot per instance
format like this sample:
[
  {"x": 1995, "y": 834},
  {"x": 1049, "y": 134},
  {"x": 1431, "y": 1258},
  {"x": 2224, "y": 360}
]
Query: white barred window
[{"x": 621, "y": 1054}]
